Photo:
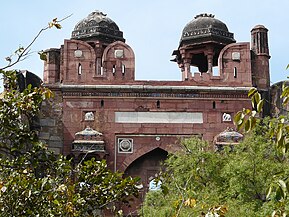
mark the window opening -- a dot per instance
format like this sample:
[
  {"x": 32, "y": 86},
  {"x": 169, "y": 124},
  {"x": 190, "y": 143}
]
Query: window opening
[
  {"x": 235, "y": 72},
  {"x": 101, "y": 103},
  {"x": 214, "y": 104},
  {"x": 193, "y": 70},
  {"x": 113, "y": 69},
  {"x": 216, "y": 71},
  {"x": 158, "y": 104},
  {"x": 123, "y": 69},
  {"x": 79, "y": 69},
  {"x": 101, "y": 70}
]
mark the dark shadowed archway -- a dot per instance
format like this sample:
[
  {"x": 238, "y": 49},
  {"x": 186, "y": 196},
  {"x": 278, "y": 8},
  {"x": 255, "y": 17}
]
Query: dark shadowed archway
[{"x": 147, "y": 167}]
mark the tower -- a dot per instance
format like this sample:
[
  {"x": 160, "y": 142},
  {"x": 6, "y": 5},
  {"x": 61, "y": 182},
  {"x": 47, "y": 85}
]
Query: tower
[
  {"x": 260, "y": 58},
  {"x": 260, "y": 64}
]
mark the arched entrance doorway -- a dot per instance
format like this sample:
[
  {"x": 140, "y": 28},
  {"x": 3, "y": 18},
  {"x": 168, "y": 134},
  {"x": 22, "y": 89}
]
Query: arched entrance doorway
[{"x": 147, "y": 167}]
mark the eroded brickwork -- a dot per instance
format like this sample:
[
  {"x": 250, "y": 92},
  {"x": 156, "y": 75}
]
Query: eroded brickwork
[{"x": 51, "y": 123}]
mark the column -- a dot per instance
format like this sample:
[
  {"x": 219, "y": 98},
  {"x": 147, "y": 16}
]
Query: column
[{"x": 210, "y": 63}]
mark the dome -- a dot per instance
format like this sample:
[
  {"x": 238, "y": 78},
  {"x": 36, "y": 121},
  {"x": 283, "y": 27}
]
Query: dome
[
  {"x": 259, "y": 27},
  {"x": 97, "y": 26},
  {"x": 206, "y": 28},
  {"x": 228, "y": 137}
]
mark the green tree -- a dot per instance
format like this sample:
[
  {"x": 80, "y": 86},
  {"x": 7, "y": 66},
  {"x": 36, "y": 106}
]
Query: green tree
[
  {"x": 278, "y": 129},
  {"x": 200, "y": 182}
]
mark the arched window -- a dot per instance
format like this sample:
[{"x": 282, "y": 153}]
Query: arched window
[
  {"x": 123, "y": 69},
  {"x": 79, "y": 70},
  {"x": 235, "y": 72},
  {"x": 113, "y": 69}
]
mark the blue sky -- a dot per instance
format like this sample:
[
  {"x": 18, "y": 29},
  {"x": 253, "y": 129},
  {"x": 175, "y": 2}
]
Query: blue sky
[{"x": 151, "y": 28}]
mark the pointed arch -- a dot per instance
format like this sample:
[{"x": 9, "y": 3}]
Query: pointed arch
[
  {"x": 115, "y": 45},
  {"x": 144, "y": 150}
]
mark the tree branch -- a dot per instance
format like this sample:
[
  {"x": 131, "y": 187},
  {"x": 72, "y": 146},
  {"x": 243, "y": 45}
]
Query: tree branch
[{"x": 26, "y": 51}]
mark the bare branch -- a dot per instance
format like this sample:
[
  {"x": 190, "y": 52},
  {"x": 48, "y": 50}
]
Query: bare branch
[{"x": 26, "y": 51}]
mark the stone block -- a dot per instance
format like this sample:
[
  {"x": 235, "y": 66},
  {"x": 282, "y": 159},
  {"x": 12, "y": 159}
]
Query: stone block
[
  {"x": 47, "y": 122},
  {"x": 55, "y": 144},
  {"x": 43, "y": 135},
  {"x": 55, "y": 138}
]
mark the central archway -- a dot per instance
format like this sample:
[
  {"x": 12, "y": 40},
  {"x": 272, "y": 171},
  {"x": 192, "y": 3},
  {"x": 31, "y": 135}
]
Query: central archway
[{"x": 147, "y": 167}]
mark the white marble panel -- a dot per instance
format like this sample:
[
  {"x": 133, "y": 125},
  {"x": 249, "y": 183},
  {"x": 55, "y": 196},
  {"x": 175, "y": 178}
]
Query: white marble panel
[{"x": 159, "y": 117}]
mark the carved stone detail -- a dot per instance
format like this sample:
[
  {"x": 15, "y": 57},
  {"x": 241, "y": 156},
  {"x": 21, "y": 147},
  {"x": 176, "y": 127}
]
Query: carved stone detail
[
  {"x": 125, "y": 145},
  {"x": 89, "y": 116},
  {"x": 226, "y": 117}
]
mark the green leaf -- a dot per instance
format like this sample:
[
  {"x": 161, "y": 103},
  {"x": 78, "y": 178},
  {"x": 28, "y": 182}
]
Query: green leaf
[
  {"x": 237, "y": 118},
  {"x": 246, "y": 111},
  {"x": 42, "y": 56},
  {"x": 279, "y": 133},
  {"x": 248, "y": 125},
  {"x": 285, "y": 100},
  {"x": 260, "y": 105},
  {"x": 287, "y": 67},
  {"x": 268, "y": 192},
  {"x": 257, "y": 98},
  {"x": 278, "y": 173},
  {"x": 58, "y": 26},
  {"x": 279, "y": 193},
  {"x": 252, "y": 91},
  {"x": 286, "y": 147},
  {"x": 253, "y": 122},
  {"x": 282, "y": 184},
  {"x": 285, "y": 90},
  {"x": 280, "y": 144},
  {"x": 164, "y": 189}
]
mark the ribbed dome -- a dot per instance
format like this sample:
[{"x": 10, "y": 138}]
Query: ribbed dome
[
  {"x": 205, "y": 28},
  {"x": 97, "y": 26},
  {"x": 227, "y": 137}
]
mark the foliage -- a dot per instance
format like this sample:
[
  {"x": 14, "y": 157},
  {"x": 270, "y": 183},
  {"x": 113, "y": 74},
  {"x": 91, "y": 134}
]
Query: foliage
[
  {"x": 17, "y": 110},
  {"x": 33, "y": 180},
  {"x": 200, "y": 182},
  {"x": 278, "y": 130},
  {"x": 99, "y": 187}
]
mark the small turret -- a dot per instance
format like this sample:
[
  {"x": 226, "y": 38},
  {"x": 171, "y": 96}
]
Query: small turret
[
  {"x": 201, "y": 42},
  {"x": 259, "y": 35},
  {"x": 260, "y": 57},
  {"x": 260, "y": 64}
]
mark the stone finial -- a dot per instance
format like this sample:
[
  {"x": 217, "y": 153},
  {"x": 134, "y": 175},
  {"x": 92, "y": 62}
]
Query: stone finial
[
  {"x": 204, "y": 15},
  {"x": 97, "y": 13}
]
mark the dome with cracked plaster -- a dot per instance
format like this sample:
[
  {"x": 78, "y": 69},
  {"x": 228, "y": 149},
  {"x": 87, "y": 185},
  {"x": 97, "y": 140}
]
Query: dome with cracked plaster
[
  {"x": 97, "y": 26},
  {"x": 205, "y": 28}
]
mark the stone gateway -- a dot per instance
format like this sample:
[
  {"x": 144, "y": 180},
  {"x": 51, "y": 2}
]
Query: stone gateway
[{"x": 100, "y": 110}]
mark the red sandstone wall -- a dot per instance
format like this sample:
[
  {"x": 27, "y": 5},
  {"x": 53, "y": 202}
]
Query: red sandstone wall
[
  {"x": 227, "y": 64},
  {"x": 74, "y": 109}
]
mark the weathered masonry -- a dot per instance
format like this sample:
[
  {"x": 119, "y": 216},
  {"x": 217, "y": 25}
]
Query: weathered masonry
[{"x": 101, "y": 111}]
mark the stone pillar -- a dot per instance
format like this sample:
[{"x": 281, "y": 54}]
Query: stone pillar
[
  {"x": 187, "y": 70},
  {"x": 210, "y": 63}
]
